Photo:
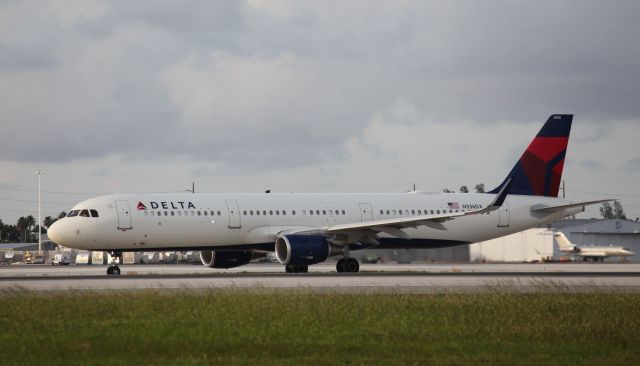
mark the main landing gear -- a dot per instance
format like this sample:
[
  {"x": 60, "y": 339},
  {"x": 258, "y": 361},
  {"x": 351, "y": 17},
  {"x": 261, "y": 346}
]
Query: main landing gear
[
  {"x": 348, "y": 265},
  {"x": 113, "y": 269}
]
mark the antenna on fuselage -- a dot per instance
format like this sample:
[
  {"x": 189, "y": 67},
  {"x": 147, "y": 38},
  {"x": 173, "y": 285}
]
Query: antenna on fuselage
[
  {"x": 267, "y": 191},
  {"x": 193, "y": 188}
]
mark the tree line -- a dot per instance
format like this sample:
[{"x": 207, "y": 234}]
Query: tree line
[{"x": 26, "y": 229}]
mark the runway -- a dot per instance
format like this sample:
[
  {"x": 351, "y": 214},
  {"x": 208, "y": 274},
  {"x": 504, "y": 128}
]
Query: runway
[{"x": 391, "y": 278}]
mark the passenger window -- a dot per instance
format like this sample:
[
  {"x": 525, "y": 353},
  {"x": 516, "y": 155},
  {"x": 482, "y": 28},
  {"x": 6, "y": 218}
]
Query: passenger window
[
  {"x": 172, "y": 213},
  {"x": 317, "y": 212},
  {"x": 310, "y": 212},
  {"x": 324, "y": 212},
  {"x": 166, "y": 213},
  {"x": 438, "y": 211},
  {"x": 343, "y": 212},
  {"x": 193, "y": 213},
  {"x": 293, "y": 212},
  {"x": 251, "y": 212},
  {"x": 159, "y": 213},
  {"x": 270, "y": 212},
  {"x": 205, "y": 213},
  {"x": 264, "y": 212},
  {"x": 94, "y": 213},
  {"x": 284, "y": 212},
  {"x": 387, "y": 212},
  {"x": 153, "y": 213},
  {"x": 179, "y": 213},
  {"x": 84, "y": 213},
  {"x": 146, "y": 213},
  {"x": 419, "y": 212},
  {"x": 257, "y": 213},
  {"x": 381, "y": 212},
  {"x": 278, "y": 212},
  {"x": 304, "y": 212},
  {"x": 432, "y": 212},
  {"x": 413, "y": 212},
  {"x": 219, "y": 213},
  {"x": 244, "y": 213}
]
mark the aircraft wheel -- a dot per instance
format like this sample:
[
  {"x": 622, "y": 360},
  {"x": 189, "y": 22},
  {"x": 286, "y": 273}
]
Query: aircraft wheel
[
  {"x": 340, "y": 265},
  {"x": 113, "y": 271},
  {"x": 351, "y": 265}
]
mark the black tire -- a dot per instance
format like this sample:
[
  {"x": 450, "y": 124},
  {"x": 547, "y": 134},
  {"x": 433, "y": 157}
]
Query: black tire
[
  {"x": 351, "y": 265},
  {"x": 116, "y": 271},
  {"x": 109, "y": 271},
  {"x": 340, "y": 265}
]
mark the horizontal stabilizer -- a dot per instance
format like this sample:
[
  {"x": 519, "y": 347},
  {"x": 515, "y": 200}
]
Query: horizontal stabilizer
[{"x": 550, "y": 209}]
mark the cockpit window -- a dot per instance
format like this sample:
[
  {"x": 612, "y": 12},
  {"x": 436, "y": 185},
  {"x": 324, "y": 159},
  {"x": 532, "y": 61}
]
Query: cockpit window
[
  {"x": 94, "y": 213},
  {"x": 84, "y": 213},
  {"x": 73, "y": 213}
]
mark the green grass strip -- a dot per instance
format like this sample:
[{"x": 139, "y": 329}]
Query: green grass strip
[{"x": 246, "y": 328}]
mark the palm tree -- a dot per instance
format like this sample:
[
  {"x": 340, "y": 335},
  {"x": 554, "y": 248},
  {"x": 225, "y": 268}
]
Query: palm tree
[
  {"x": 48, "y": 221},
  {"x": 21, "y": 225}
]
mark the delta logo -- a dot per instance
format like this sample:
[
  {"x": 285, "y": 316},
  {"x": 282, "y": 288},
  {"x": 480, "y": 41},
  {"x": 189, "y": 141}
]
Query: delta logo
[{"x": 167, "y": 205}]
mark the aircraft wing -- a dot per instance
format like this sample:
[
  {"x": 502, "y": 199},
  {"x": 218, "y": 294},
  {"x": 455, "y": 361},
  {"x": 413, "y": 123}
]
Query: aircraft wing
[
  {"x": 551, "y": 209},
  {"x": 593, "y": 254},
  {"x": 394, "y": 226}
]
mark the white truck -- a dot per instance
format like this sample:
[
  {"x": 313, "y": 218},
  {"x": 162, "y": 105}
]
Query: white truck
[{"x": 61, "y": 259}]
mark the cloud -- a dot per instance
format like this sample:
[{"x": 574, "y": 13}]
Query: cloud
[
  {"x": 309, "y": 95},
  {"x": 632, "y": 165}
]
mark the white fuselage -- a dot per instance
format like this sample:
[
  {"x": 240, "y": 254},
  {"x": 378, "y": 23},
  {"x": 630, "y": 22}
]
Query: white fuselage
[
  {"x": 198, "y": 221},
  {"x": 598, "y": 252}
]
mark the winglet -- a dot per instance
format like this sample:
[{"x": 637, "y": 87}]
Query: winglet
[{"x": 499, "y": 200}]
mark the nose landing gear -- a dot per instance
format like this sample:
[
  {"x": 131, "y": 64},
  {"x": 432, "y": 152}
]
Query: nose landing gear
[{"x": 113, "y": 269}]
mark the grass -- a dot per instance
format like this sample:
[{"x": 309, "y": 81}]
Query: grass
[{"x": 239, "y": 327}]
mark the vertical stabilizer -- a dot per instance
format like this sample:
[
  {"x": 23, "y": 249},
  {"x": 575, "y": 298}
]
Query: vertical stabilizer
[
  {"x": 563, "y": 241},
  {"x": 539, "y": 170}
]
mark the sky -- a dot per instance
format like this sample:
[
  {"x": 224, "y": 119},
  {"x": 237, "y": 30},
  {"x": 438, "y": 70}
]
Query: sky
[{"x": 310, "y": 96}]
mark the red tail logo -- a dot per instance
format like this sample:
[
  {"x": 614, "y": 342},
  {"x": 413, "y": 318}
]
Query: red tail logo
[{"x": 141, "y": 206}]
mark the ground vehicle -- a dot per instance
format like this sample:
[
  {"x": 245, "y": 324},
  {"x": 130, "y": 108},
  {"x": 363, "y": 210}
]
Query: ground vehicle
[{"x": 61, "y": 259}]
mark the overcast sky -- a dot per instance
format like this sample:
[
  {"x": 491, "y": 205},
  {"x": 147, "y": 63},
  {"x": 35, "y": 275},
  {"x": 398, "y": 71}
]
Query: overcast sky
[{"x": 310, "y": 96}]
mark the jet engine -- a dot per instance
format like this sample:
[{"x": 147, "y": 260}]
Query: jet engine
[
  {"x": 225, "y": 258},
  {"x": 303, "y": 250}
]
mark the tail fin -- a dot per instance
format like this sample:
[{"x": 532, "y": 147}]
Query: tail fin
[
  {"x": 539, "y": 170},
  {"x": 563, "y": 241}
]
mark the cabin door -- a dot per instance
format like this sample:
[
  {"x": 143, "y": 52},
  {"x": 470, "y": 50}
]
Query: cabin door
[
  {"x": 366, "y": 213},
  {"x": 124, "y": 215},
  {"x": 234, "y": 214},
  {"x": 504, "y": 215}
]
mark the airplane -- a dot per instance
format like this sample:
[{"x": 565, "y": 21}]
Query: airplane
[
  {"x": 594, "y": 253},
  {"x": 307, "y": 228}
]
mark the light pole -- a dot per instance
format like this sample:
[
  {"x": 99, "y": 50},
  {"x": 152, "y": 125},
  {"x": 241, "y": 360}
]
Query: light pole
[{"x": 39, "y": 173}]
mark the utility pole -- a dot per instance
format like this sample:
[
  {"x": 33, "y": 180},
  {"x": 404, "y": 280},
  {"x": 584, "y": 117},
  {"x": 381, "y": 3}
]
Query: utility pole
[{"x": 39, "y": 173}]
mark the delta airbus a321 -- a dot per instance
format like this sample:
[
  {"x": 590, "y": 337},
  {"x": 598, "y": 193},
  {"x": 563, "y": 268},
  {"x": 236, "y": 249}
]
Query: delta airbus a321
[{"x": 307, "y": 228}]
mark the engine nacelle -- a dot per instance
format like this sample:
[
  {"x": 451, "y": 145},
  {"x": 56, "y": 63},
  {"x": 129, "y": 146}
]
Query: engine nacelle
[
  {"x": 303, "y": 250},
  {"x": 225, "y": 258}
]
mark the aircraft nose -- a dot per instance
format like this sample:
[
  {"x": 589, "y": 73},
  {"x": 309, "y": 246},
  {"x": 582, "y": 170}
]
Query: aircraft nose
[{"x": 55, "y": 232}]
